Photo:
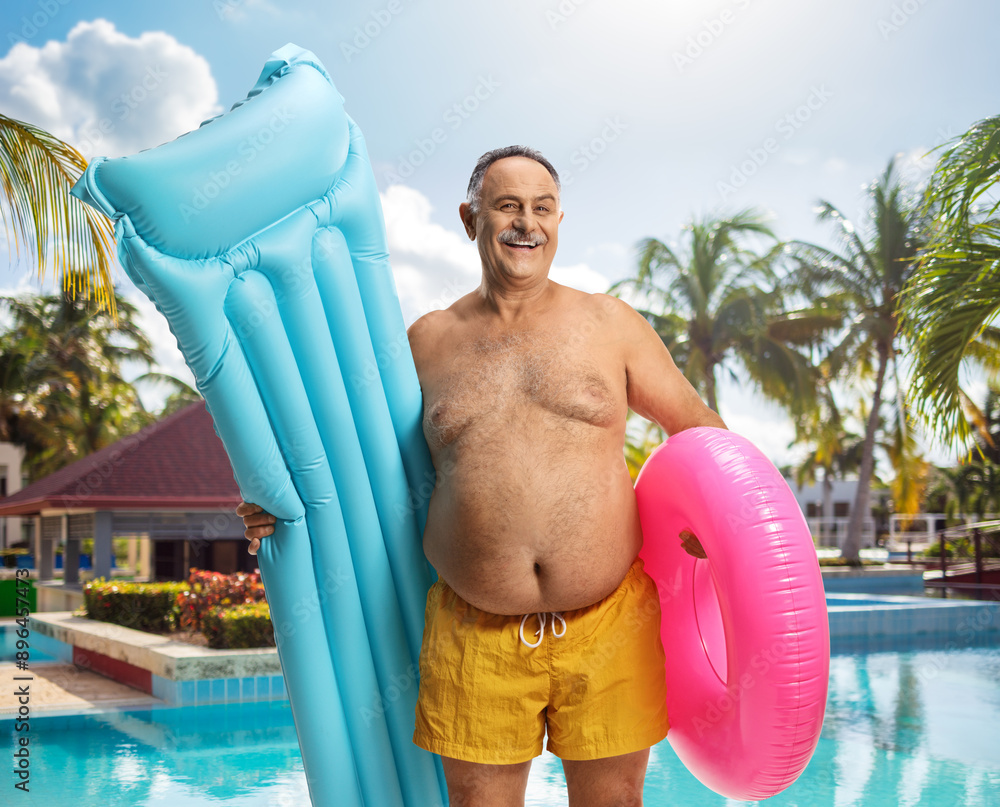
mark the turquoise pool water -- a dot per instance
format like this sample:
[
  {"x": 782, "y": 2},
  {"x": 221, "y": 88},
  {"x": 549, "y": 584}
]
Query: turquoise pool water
[
  {"x": 913, "y": 727},
  {"x": 8, "y": 646}
]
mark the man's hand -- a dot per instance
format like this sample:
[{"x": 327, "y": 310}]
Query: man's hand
[
  {"x": 691, "y": 544},
  {"x": 257, "y": 522}
]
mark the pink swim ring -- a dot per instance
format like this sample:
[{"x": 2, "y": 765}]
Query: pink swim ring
[{"x": 745, "y": 631}]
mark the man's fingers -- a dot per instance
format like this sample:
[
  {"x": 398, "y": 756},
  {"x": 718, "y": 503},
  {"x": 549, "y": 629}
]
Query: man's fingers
[
  {"x": 248, "y": 508},
  {"x": 258, "y": 523},
  {"x": 692, "y": 545}
]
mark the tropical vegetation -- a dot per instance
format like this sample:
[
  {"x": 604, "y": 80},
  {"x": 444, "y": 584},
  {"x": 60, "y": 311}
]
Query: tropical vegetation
[
  {"x": 45, "y": 225},
  {"x": 862, "y": 344},
  {"x": 62, "y": 390},
  {"x": 949, "y": 309}
]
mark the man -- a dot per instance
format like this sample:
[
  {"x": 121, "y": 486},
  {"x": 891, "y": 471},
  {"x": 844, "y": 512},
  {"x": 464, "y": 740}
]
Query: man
[{"x": 542, "y": 617}]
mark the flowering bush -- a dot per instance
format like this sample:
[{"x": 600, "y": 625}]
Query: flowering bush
[{"x": 207, "y": 590}]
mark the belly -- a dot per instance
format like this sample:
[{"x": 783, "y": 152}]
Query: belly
[{"x": 520, "y": 527}]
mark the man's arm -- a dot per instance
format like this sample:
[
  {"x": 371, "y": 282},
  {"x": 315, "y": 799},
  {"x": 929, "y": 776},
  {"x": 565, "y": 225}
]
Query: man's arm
[{"x": 657, "y": 390}]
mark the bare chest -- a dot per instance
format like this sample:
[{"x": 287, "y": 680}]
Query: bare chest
[{"x": 502, "y": 385}]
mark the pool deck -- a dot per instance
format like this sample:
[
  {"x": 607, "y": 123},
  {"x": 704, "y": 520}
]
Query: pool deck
[
  {"x": 86, "y": 665},
  {"x": 56, "y": 688}
]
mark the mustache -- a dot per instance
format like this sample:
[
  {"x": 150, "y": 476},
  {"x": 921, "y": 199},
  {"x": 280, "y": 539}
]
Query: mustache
[{"x": 510, "y": 236}]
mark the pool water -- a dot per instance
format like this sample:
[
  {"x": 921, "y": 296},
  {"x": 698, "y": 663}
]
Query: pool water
[
  {"x": 902, "y": 728},
  {"x": 8, "y": 646}
]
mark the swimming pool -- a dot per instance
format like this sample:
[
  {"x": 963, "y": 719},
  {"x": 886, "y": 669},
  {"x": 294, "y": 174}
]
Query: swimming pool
[
  {"x": 38, "y": 645},
  {"x": 914, "y": 727}
]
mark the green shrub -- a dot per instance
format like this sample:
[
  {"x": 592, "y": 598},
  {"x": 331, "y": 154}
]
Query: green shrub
[
  {"x": 845, "y": 562},
  {"x": 934, "y": 551},
  {"x": 150, "y": 607},
  {"x": 241, "y": 626}
]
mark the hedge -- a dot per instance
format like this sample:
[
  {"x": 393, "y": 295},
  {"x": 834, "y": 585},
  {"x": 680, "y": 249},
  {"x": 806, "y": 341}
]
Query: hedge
[
  {"x": 239, "y": 627},
  {"x": 150, "y": 607}
]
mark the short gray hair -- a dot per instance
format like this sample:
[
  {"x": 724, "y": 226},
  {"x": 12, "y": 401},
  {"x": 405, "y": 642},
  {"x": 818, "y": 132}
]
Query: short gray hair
[{"x": 474, "y": 194}]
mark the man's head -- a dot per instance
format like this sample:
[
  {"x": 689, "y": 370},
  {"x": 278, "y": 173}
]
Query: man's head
[
  {"x": 473, "y": 196},
  {"x": 512, "y": 209}
]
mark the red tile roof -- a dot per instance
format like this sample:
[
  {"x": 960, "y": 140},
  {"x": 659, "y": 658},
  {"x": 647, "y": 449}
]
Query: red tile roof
[{"x": 176, "y": 463}]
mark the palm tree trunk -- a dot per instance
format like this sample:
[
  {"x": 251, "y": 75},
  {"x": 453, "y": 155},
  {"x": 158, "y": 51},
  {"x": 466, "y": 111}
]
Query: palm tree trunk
[
  {"x": 827, "y": 514},
  {"x": 852, "y": 543},
  {"x": 713, "y": 402}
]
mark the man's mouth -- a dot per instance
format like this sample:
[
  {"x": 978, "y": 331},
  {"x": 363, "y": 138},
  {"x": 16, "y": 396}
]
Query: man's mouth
[{"x": 523, "y": 247}]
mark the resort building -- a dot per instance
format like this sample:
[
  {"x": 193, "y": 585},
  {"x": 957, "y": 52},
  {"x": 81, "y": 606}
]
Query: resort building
[
  {"x": 165, "y": 495},
  {"x": 828, "y": 511}
]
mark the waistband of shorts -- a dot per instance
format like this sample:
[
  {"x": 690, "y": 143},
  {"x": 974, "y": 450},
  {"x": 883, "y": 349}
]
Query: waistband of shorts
[{"x": 634, "y": 574}]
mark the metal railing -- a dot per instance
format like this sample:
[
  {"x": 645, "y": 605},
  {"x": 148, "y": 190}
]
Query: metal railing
[
  {"x": 831, "y": 531},
  {"x": 970, "y": 554}
]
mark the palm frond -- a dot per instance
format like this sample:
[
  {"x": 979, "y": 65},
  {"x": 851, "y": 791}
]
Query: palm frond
[{"x": 54, "y": 230}]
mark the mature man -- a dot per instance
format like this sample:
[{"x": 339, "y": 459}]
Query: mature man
[{"x": 542, "y": 618}]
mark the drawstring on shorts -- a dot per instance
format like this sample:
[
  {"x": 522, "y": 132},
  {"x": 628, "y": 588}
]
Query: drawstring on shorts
[{"x": 541, "y": 630}]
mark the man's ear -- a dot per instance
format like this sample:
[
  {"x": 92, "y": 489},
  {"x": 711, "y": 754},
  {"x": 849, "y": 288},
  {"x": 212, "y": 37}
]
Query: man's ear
[
  {"x": 468, "y": 220},
  {"x": 561, "y": 214}
]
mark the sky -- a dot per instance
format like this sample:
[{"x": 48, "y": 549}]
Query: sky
[{"x": 654, "y": 113}]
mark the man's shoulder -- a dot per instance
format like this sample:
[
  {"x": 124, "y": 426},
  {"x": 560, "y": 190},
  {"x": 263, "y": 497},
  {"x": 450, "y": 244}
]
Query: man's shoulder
[
  {"x": 429, "y": 328},
  {"x": 599, "y": 304},
  {"x": 426, "y": 329}
]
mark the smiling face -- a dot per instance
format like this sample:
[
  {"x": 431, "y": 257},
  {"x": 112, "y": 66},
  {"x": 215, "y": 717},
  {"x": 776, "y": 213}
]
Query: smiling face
[{"x": 517, "y": 225}]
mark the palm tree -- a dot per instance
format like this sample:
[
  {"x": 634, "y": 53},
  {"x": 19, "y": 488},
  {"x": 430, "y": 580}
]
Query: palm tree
[
  {"x": 639, "y": 447},
  {"x": 864, "y": 282},
  {"x": 62, "y": 394},
  {"x": 950, "y": 306},
  {"x": 834, "y": 450},
  {"x": 37, "y": 171},
  {"x": 713, "y": 306}
]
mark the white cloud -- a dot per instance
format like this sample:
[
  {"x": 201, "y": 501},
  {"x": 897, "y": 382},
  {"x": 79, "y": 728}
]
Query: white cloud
[
  {"x": 835, "y": 165},
  {"x": 433, "y": 265},
  {"x": 579, "y": 276},
  {"x": 107, "y": 93}
]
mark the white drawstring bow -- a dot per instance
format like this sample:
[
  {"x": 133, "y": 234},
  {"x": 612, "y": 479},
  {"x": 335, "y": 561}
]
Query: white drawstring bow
[{"x": 541, "y": 630}]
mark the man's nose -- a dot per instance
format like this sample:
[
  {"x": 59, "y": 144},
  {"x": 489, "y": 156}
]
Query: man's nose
[{"x": 524, "y": 222}]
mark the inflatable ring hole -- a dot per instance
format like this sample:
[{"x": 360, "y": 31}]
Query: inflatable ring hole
[{"x": 708, "y": 617}]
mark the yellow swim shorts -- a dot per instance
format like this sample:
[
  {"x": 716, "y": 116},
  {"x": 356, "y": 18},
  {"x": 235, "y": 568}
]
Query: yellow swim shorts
[{"x": 594, "y": 678}]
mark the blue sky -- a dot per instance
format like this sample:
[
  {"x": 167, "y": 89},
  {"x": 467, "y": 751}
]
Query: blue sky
[{"x": 653, "y": 112}]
